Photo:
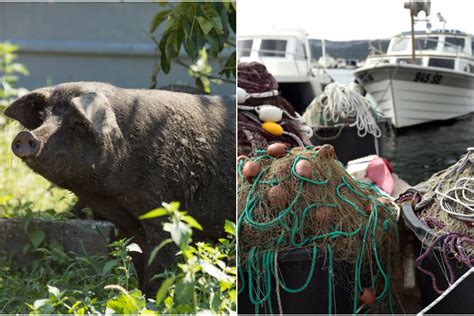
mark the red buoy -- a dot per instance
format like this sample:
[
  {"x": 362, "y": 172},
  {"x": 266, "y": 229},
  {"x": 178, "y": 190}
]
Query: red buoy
[
  {"x": 367, "y": 297},
  {"x": 278, "y": 197},
  {"x": 304, "y": 169},
  {"x": 251, "y": 170},
  {"x": 277, "y": 150}
]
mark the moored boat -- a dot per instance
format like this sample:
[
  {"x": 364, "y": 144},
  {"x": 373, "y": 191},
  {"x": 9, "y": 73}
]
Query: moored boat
[
  {"x": 287, "y": 56},
  {"x": 437, "y": 85}
]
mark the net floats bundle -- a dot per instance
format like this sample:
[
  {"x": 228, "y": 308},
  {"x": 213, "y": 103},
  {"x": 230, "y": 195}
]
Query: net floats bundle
[
  {"x": 302, "y": 200},
  {"x": 440, "y": 212},
  {"x": 264, "y": 116}
]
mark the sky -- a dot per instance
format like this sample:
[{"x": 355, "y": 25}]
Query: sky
[{"x": 341, "y": 20}]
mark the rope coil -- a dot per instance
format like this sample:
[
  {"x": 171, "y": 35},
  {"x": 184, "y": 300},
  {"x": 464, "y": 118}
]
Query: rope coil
[{"x": 339, "y": 104}]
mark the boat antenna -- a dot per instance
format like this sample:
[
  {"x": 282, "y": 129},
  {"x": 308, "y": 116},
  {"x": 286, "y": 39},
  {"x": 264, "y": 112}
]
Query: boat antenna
[
  {"x": 323, "y": 53},
  {"x": 442, "y": 20},
  {"x": 415, "y": 6}
]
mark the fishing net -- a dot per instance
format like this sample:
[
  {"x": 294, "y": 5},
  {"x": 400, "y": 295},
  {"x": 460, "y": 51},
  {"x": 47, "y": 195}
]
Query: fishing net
[
  {"x": 342, "y": 106},
  {"x": 254, "y": 78},
  {"x": 303, "y": 198},
  {"x": 445, "y": 203}
]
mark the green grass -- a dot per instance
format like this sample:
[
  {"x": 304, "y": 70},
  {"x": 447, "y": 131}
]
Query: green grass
[{"x": 21, "y": 190}]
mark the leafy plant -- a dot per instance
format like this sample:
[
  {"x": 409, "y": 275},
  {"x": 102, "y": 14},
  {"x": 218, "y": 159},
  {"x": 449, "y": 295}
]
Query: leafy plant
[
  {"x": 203, "y": 279},
  {"x": 9, "y": 75},
  {"x": 202, "y": 29},
  {"x": 58, "y": 283}
]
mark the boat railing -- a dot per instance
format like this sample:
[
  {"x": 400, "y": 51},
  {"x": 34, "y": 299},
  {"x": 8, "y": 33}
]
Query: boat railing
[
  {"x": 278, "y": 53},
  {"x": 457, "y": 51},
  {"x": 375, "y": 51}
]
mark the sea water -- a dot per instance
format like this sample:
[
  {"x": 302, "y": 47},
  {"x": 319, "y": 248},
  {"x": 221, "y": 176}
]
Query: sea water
[{"x": 417, "y": 152}]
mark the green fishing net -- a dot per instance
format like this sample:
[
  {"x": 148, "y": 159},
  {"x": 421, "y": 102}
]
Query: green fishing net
[{"x": 285, "y": 204}]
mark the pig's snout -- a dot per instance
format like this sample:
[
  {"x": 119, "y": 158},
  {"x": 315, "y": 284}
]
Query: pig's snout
[{"x": 26, "y": 145}]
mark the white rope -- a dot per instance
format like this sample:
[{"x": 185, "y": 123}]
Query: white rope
[
  {"x": 461, "y": 194},
  {"x": 343, "y": 102},
  {"x": 445, "y": 293}
]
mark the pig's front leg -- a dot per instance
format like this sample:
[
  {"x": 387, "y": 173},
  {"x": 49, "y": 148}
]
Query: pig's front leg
[
  {"x": 105, "y": 208},
  {"x": 163, "y": 261}
]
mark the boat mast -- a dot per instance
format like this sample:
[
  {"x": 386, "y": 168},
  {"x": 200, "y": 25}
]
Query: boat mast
[
  {"x": 412, "y": 39},
  {"x": 323, "y": 47},
  {"x": 415, "y": 6}
]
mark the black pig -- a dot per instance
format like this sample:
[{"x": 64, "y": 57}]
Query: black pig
[{"x": 124, "y": 151}]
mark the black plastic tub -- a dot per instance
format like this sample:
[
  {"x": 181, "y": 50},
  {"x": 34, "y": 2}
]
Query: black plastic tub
[
  {"x": 461, "y": 299},
  {"x": 347, "y": 144},
  {"x": 294, "y": 267}
]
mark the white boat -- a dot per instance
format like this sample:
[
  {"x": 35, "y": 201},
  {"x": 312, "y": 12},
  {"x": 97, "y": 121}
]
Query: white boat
[
  {"x": 287, "y": 56},
  {"x": 437, "y": 85},
  {"x": 327, "y": 62}
]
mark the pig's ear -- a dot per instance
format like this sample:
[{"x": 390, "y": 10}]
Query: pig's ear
[
  {"x": 29, "y": 110},
  {"x": 95, "y": 110}
]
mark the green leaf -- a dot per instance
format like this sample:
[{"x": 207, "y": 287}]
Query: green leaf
[
  {"x": 180, "y": 233},
  {"x": 190, "y": 48},
  {"x": 155, "y": 250},
  {"x": 213, "y": 16},
  {"x": 215, "y": 302},
  {"x": 213, "y": 271},
  {"x": 171, "y": 207},
  {"x": 54, "y": 291},
  {"x": 206, "y": 25},
  {"x": 158, "y": 212},
  {"x": 165, "y": 63},
  {"x": 225, "y": 285},
  {"x": 134, "y": 247},
  {"x": 160, "y": 295},
  {"x": 108, "y": 267},
  {"x": 233, "y": 20},
  {"x": 229, "y": 227},
  {"x": 5, "y": 199},
  {"x": 19, "y": 68},
  {"x": 229, "y": 68},
  {"x": 40, "y": 303},
  {"x": 184, "y": 290},
  {"x": 37, "y": 237},
  {"x": 233, "y": 295},
  {"x": 192, "y": 222},
  {"x": 214, "y": 46},
  {"x": 158, "y": 19}
]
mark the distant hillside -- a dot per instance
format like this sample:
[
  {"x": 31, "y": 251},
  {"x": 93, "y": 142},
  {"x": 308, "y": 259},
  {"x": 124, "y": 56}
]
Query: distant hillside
[{"x": 348, "y": 49}]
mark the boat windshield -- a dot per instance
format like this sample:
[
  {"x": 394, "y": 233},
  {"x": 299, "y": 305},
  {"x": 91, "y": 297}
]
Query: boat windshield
[
  {"x": 272, "y": 48},
  {"x": 400, "y": 44},
  {"x": 244, "y": 48},
  {"x": 427, "y": 43},
  {"x": 300, "y": 51},
  {"x": 453, "y": 44}
]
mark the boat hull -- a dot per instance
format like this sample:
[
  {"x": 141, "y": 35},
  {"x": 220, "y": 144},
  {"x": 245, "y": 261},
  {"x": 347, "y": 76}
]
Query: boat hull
[{"x": 410, "y": 95}]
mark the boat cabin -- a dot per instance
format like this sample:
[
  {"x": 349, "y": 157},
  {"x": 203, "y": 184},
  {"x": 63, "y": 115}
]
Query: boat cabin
[
  {"x": 441, "y": 49},
  {"x": 287, "y": 56}
]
